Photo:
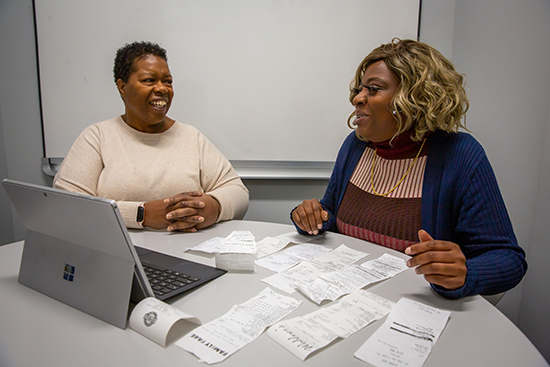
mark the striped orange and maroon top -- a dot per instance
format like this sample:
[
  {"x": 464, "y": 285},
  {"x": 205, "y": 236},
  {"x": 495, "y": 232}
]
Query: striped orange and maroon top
[{"x": 392, "y": 220}]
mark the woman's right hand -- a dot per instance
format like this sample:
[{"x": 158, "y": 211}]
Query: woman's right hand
[
  {"x": 189, "y": 206},
  {"x": 309, "y": 216}
]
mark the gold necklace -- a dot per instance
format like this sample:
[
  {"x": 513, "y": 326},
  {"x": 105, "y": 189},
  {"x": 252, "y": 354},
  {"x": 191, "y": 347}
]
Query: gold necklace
[{"x": 402, "y": 178}]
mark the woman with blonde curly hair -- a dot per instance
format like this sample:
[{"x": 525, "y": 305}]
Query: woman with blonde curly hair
[{"x": 407, "y": 179}]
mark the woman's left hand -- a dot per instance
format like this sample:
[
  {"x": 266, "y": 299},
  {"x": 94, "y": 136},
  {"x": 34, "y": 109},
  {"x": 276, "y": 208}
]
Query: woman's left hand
[
  {"x": 196, "y": 208},
  {"x": 441, "y": 262}
]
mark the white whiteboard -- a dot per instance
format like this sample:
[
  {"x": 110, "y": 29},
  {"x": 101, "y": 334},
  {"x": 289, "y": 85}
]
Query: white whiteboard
[{"x": 263, "y": 80}]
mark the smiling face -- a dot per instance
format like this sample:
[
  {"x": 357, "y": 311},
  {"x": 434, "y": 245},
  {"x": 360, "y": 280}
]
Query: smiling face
[
  {"x": 148, "y": 95},
  {"x": 374, "y": 119}
]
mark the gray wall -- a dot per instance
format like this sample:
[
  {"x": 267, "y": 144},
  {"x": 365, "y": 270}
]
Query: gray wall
[
  {"x": 534, "y": 319},
  {"x": 272, "y": 200},
  {"x": 502, "y": 46}
]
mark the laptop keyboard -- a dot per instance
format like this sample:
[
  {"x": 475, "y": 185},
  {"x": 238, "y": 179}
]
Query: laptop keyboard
[{"x": 164, "y": 281}]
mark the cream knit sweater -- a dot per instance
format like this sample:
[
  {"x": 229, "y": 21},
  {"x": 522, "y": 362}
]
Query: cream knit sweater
[{"x": 112, "y": 160}]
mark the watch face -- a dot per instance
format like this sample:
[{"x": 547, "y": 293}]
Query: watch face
[{"x": 140, "y": 211}]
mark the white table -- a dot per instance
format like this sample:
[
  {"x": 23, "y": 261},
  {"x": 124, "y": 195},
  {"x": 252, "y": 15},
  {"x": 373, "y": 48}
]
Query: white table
[{"x": 36, "y": 330}]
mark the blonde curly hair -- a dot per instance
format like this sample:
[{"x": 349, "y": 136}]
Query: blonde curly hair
[{"x": 430, "y": 95}]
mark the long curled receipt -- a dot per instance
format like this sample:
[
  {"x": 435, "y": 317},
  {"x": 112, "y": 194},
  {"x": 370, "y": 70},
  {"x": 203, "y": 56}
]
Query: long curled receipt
[
  {"x": 407, "y": 337},
  {"x": 304, "y": 335},
  {"x": 215, "y": 341},
  {"x": 155, "y": 319}
]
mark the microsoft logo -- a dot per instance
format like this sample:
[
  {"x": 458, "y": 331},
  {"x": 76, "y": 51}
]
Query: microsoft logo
[{"x": 68, "y": 273}]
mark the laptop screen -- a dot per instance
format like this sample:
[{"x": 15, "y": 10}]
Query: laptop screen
[{"x": 77, "y": 250}]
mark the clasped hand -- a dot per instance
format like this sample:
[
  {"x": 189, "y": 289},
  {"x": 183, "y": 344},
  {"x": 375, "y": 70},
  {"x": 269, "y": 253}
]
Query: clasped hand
[
  {"x": 441, "y": 262},
  {"x": 186, "y": 212}
]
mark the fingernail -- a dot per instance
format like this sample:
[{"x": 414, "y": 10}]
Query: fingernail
[
  {"x": 408, "y": 250},
  {"x": 201, "y": 219},
  {"x": 310, "y": 232},
  {"x": 169, "y": 216},
  {"x": 417, "y": 270},
  {"x": 315, "y": 232},
  {"x": 166, "y": 201},
  {"x": 170, "y": 228},
  {"x": 409, "y": 263},
  {"x": 320, "y": 226}
]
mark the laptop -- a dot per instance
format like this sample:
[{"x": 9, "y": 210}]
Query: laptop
[{"x": 78, "y": 251}]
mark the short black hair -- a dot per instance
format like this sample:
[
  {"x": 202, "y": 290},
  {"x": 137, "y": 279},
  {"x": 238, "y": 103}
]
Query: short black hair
[{"x": 127, "y": 55}]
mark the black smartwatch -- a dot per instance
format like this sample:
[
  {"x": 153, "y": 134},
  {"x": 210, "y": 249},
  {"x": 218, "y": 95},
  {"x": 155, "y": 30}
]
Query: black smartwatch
[{"x": 140, "y": 215}]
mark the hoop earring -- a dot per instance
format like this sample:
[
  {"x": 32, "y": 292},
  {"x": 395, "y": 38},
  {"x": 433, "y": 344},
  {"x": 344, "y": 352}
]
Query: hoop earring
[{"x": 349, "y": 119}]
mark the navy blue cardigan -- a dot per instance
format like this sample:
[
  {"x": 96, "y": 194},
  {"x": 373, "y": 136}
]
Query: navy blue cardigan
[{"x": 461, "y": 202}]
